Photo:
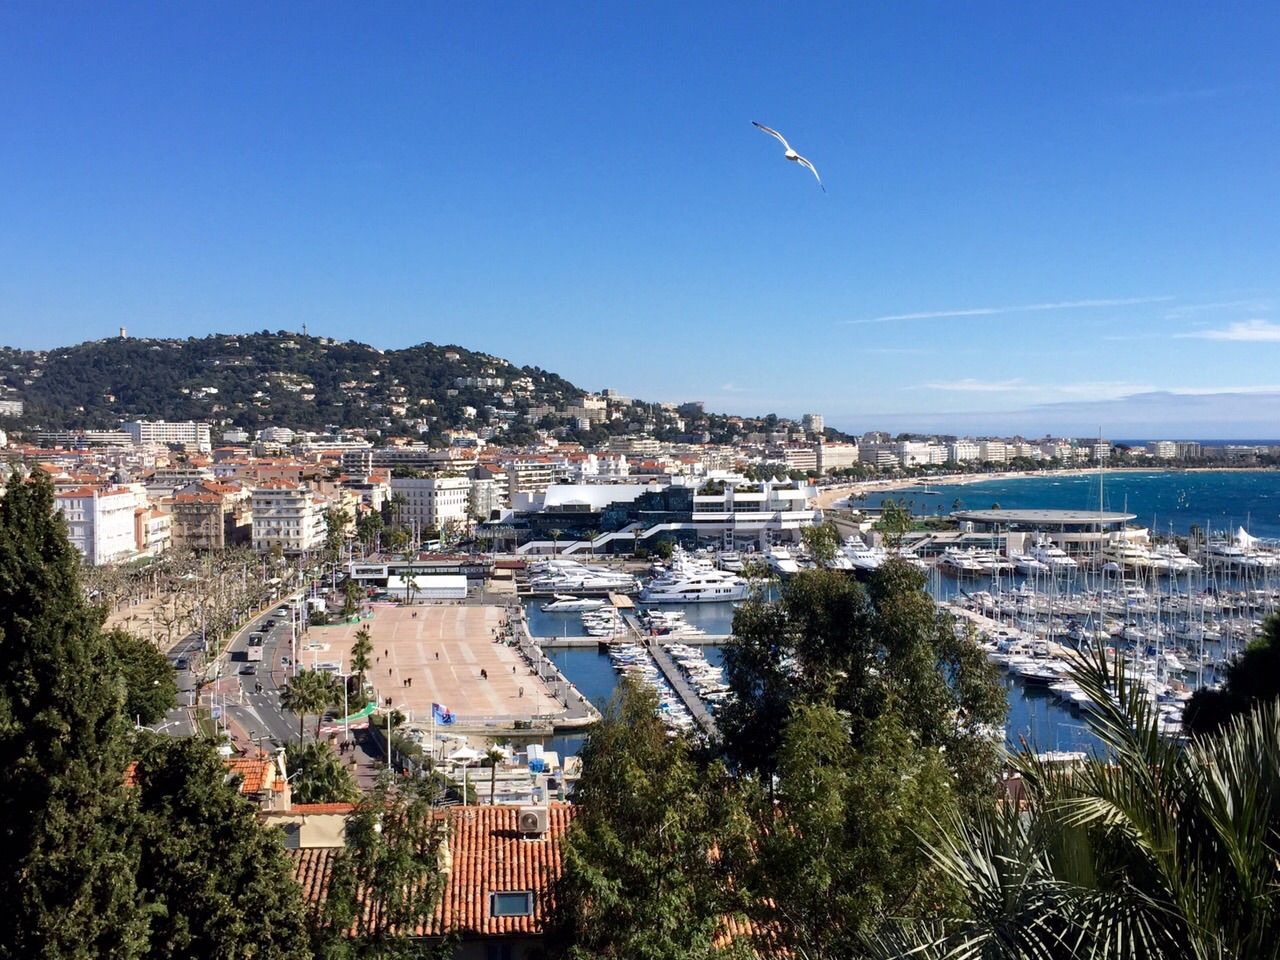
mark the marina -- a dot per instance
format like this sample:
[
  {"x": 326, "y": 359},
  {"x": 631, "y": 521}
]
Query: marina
[{"x": 1035, "y": 583}]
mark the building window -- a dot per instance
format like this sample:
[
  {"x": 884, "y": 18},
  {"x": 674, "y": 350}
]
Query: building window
[{"x": 516, "y": 903}]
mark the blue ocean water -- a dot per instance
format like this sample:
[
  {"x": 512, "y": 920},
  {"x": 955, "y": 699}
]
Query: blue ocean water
[{"x": 1219, "y": 500}]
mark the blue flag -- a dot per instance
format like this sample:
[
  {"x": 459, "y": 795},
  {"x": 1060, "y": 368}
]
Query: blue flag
[{"x": 441, "y": 714}]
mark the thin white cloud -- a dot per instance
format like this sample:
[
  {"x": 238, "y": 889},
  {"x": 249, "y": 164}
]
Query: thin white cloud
[
  {"x": 1244, "y": 331},
  {"x": 1000, "y": 311},
  {"x": 1190, "y": 309},
  {"x": 972, "y": 385},
  {"x": 1038, "y": 392}
]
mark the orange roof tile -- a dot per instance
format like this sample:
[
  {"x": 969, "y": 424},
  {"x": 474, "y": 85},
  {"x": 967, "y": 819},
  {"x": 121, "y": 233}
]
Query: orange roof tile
[
  {"x": 321, "y": 808},
  {"x": 254, "y": 772},
  {"x": 488, "y": 855}
]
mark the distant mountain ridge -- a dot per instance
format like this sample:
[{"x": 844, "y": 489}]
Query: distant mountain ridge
[{"x": 267, "y": 379}]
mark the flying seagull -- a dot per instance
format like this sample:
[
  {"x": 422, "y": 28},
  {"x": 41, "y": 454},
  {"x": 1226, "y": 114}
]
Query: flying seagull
[{"x": 790, "y": 154}]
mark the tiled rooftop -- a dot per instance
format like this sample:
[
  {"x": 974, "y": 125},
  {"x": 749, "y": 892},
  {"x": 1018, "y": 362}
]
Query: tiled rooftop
[{"x": 488, "y": 855}]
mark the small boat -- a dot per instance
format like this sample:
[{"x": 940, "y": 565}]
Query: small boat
[{"x": 567, "y": 604}]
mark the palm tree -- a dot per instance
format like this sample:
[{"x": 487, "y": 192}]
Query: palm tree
[
  {"x": 555, "y": 536},
  {"x": 1148, "y": 848},
  {"x": 318, "y": 775},
  {"x": 494, "y": 755},
  {"x": 360, "y": 651},
  {"x": 311, "y": 691}
]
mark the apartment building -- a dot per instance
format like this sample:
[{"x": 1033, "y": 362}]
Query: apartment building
[
  {"x": 836, "y": 456},
  {"x": 529, "y": 476},
  {"x": 993, "y": 451},
  {"x": 813, "y": 423},
  {"x": 963, "y": 451},
  {"x": 433, "y": 501},
  {"x": 286, "y": 515},
  {"x": 163, "y": 432},
  {"x": 100, "y": 522},
  {"x": 1162, "y": 449}
]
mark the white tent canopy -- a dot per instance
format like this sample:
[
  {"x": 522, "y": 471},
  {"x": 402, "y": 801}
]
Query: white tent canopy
[{"x": 1244, "y": 538}]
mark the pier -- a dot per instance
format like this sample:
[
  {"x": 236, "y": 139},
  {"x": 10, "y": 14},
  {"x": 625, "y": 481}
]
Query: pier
[{"x": 701, "y": 715}]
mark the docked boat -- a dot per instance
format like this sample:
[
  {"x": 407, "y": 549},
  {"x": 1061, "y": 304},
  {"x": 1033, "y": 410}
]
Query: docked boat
[
  {"x": 960, "y": 562},
  {"x": 1052, "y": 556},
  {"x": 861, "y": 556},
  {"x": 1026, "y": 563},
  {"x": 567, "y": 604},
  {"x": 708, "y": 586},
  {"x": 781, "y": 561},
  {"x": 1127, "y": 554}
]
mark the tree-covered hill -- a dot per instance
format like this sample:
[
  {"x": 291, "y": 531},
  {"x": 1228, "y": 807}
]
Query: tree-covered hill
[{"x": 262, "y": 379}]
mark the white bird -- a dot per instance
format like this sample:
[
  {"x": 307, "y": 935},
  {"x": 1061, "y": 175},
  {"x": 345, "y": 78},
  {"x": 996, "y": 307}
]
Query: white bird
[{"x": 791, "y": 154}]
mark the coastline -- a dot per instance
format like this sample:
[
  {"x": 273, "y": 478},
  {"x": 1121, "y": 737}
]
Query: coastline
[{"x": 830, "y": 496}]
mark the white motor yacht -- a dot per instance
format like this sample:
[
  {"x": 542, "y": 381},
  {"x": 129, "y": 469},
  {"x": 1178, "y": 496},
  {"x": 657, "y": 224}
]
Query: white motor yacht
[
  {"x": 1052, "y": 556},
  {"x": 707, "y": 586},
  {"x": 781, "y": 561},
  {"x": 566, "y": 604},
  {"x": 960, "y": 562}
]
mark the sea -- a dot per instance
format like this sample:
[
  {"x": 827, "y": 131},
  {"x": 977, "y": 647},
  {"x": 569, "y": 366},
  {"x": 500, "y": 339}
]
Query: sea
[{"x": 1165, "y": 501}]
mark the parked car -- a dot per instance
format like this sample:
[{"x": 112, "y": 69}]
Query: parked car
[
  {"x": 180, "y": 663},
  {"x": 249, "y": 669}
]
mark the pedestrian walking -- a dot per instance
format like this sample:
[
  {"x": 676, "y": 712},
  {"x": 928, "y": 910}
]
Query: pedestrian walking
[{"x": 522, "y": 691}]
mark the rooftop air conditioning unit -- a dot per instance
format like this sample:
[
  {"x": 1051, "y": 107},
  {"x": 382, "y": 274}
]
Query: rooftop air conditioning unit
[{"x": 533, "y": 820}]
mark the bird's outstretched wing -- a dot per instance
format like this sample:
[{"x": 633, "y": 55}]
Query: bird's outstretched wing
[
  {"x": 814, "y": 170},
  {"x": 771, "y": 132}
]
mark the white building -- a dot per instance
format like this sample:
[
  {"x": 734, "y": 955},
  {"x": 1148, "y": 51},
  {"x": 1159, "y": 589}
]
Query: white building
[
  {"x": 963, "y": 451},
  {"x": 433, "y": 501},
  {"x": 281, "y": 435},
  {"x": 286, "y": 515},
  {"x": 99, "y": 522},
  {"x": 1163, "y": 449},
  {"x": 836, "y": 456},
  {"x": 162, "y": 432},
  {"x": 993, "y": 451},
  {"x": 10, "y": 408},
  {"x": 487, "y": 497},
  {"x": 753, "y": 512},
  {"x": 813, "y": 423}
]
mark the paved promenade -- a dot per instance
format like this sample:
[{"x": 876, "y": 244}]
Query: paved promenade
[{"x": 440, "y": 653}]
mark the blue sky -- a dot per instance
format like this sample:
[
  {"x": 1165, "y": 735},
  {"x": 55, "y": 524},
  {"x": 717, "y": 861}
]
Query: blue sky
[{"x": 1040, "y": 217}]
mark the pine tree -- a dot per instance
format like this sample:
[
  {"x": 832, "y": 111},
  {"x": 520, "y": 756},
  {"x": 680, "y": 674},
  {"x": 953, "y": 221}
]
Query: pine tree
[
  {"x": 67, "y": 861},
  {"x": 219, "y": 884},
  {"x": 150, "y": 690},
  {"x": 646, "y": 860},
  {"x": 386, "y": 882}
]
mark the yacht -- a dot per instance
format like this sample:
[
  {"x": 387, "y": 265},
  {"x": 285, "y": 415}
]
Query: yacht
[
  {"x": 1125, "y": 553},
  {"x": 960, "y": 562},
  {"x": 1051, "y": 555},
  {"x": 781, "y": 561},
  {"x": 707, "y": 586},
  {"x": 566, "y": 604},
  {"x": 861, "y": 556},
  {"x": 730, "y": 561},
  {"x": 1026, "y": 563},
  {"x": 991, "y": 562},
  {"x": 1167, "y": 558}
]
